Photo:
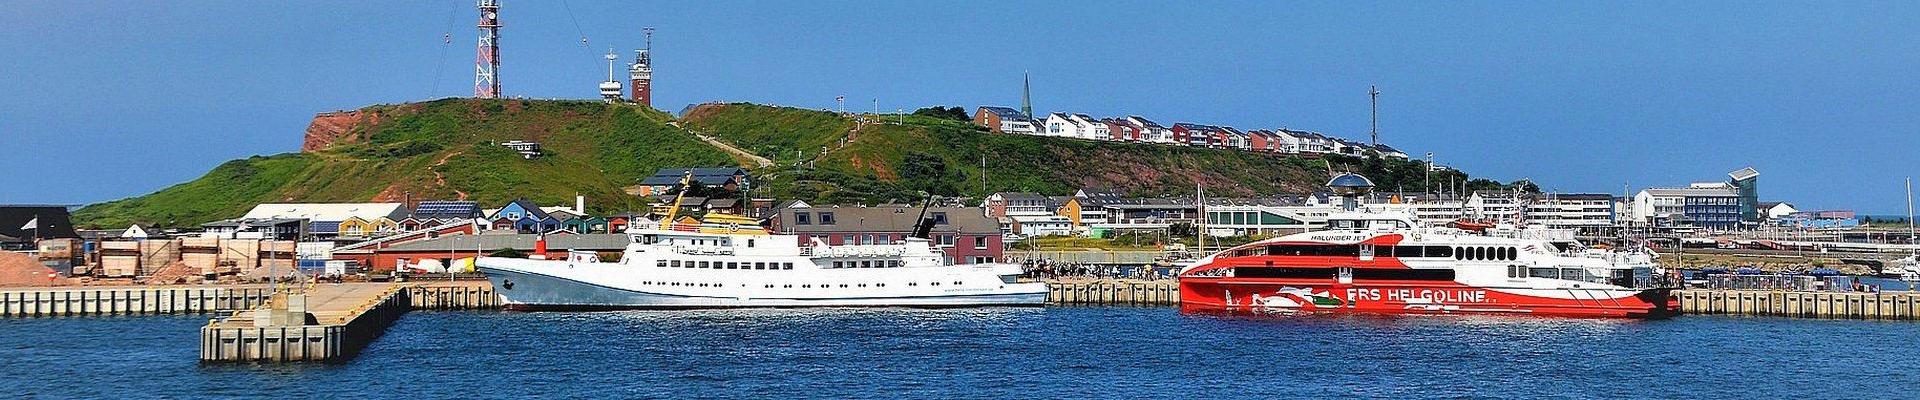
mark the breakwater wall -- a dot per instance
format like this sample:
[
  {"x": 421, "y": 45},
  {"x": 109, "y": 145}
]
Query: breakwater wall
[
  {"x": 1832, "y": 305},
  {"x": 335, "y": 328},
  {"x": 128, "y": 300},
  {"x": 1114, "y": 293}
]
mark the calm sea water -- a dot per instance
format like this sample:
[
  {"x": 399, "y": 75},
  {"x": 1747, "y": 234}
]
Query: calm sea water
[{"x": 990, "y": 353}]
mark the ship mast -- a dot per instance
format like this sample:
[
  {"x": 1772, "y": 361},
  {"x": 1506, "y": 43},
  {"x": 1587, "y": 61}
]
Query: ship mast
[{"x": 1200, "y": 209}]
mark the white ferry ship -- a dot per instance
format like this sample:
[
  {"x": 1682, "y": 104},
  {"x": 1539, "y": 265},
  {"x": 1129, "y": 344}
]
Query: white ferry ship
[{"x": 729, "y": 261}]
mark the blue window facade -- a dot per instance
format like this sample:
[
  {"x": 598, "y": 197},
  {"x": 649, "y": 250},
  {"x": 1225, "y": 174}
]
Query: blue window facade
[{"x": 1717, "y": 212}]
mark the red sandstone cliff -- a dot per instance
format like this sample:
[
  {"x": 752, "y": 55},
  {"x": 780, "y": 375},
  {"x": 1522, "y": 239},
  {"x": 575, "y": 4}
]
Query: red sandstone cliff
[{"x": 335, "y": 127}]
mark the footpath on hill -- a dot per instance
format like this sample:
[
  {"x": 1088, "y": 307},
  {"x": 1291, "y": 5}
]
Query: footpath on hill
[{"x": 743, "y": 156}]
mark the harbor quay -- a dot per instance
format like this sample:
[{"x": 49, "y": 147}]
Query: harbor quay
[
  {"x": 329, "y": 323},
  {"x": 320, "y": 322}
]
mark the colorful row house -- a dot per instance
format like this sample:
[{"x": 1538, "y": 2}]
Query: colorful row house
[{"x": 1135, "y": 129}]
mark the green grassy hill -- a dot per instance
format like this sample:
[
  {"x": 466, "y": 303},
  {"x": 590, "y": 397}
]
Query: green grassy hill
[
  {"x": 891, "y": 157},
  {"x": 438, "y": 150},
  {"x": 446, "y": 149}
]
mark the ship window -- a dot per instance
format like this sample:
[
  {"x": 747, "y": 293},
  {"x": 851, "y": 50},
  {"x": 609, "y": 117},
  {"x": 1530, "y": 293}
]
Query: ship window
[
  {"x": 1404, "y": 274},
  {"x": 866, "y": 264},
  {"x": 893, "y": 263},
  {"x": 674, "y": 263},
  {"x": 1549, "y": 273},
  {"x": 956, "y": 283},
  {"x": 759, "y": 265},
  {"x": 806, "y": 286},
  {"x": 786, "y": 286},
  {"x": 1437, "y": 251},
  {"x": 786, "y": 265},
  {"x": 879, "y": 285},
  {"x": 913, "y": 283},
  {"x": 843, "y": 285},
  {"x": 733, "y": 265},
  {"x": 1459, "y": 253},
  {"x": 1293, "y": 273},
  {"x": 749, "y": 242},
  {"x": 934, "y": 284},
  {"x": 863, "y": 285},
  {"x": 662, "y": 263},
  {"x": 1573, "y": 274},
  {"x": 1314, "y": 250},
  {"x": 769, "y": 286}
]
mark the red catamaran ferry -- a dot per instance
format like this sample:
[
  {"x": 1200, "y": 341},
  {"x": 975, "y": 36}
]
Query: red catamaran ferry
[{"x": 1384, "y": 262}]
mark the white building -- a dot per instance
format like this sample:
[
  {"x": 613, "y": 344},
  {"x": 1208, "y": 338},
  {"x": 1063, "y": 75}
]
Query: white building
[
  {"x": 1091, "y": 128},
  {"x": 1151, "y": 132},
  {"x": 1041, "y": 225},
  {"x": 1061, "y": 125},
  {"x": 320, "y": 212},
  {"x": 1585, "y": 212},
  {"x": 1777, "y": 210},
  {"x": 1235, "y": 138}
]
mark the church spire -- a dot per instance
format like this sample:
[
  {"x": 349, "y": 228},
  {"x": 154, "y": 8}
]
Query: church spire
[{"x": 1026, "y": 95}]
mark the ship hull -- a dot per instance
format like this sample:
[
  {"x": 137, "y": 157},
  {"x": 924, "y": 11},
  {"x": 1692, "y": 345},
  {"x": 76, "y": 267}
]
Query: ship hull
[
  {"x": 521, "y": 290},
  {"x": 1418, "y": 297}
]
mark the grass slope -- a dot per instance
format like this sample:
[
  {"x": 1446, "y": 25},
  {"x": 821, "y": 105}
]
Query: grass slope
[
  {"x": 865, "y": 162},
  {"x": 592, "y": 149}
]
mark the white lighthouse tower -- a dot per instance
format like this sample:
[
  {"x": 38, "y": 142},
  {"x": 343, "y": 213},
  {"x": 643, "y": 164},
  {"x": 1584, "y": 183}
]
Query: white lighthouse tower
[{"x": 610, "y": 89}]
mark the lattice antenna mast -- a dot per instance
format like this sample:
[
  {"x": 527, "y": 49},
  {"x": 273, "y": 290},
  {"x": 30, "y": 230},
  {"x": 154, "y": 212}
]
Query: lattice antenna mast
[{"x": 486, "y": 60}]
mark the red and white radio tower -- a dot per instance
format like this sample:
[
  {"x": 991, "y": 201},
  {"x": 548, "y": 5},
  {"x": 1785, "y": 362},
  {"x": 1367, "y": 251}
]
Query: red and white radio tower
[{"x": 486, "y": 63}]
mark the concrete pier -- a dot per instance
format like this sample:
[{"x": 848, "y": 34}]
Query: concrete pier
[
  {"x": 129, "y": 300},
  {"x": 1114, "y": 293},
  {"x": 329, "y": 323},
  {"x": 1834, "y": 305}
]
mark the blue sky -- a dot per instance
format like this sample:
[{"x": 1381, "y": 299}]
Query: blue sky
[{"x": 105, "y": 100}]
